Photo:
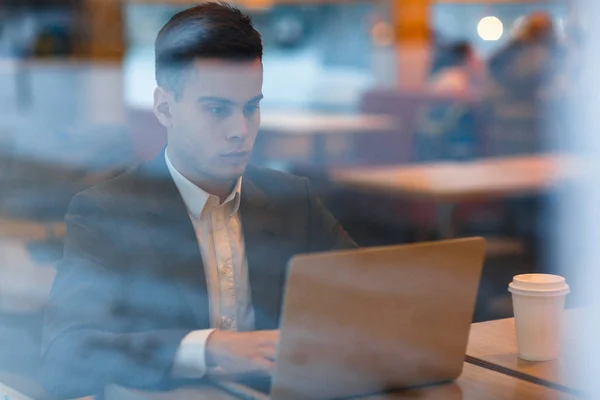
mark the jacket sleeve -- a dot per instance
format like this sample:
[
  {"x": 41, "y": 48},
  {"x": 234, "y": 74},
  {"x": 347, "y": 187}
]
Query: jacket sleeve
[
  {"x": 87, "y": 341},
  {"x": 325, "y": 232}
]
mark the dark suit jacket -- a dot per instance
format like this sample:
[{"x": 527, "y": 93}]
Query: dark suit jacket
[{"x": 132, "y": 285}]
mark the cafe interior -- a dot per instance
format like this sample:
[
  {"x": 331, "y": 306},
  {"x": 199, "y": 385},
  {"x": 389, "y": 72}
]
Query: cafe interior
[{"x": 416, "y": 121}]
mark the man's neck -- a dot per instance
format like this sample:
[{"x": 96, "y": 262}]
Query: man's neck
[{"x": 221, "y": 189}]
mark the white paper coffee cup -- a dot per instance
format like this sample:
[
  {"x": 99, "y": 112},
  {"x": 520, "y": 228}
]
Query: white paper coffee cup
[{"x": 538, "y": 304}]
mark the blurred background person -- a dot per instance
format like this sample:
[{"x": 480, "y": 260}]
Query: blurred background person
[
  {"x": 459, "y": 70},
  {"x": 516, "y": 93},
  {"x": 446, "y": 125}
]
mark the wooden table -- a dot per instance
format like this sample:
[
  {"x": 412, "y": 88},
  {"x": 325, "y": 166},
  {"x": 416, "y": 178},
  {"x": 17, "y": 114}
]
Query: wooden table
[
  {"x": 318, "y": 127},
  {"x": 493, "y": 345},
  {"x": 450, "y": 183},
  {"x": 484, "y": 178},
  {"x": 475, "y": 383}
]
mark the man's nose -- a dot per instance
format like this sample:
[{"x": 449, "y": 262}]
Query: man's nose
[{"x": 239, "y": 127}]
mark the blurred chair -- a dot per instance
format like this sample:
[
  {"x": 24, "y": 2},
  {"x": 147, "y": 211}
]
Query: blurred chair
[
  {"x": 415, "y": 110},
  {"x": 447, "y": 129},
  {"x": 404, "y": 106}
]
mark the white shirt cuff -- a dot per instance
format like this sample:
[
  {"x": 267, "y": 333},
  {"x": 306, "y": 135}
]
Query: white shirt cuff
[{"x": 190, "y": 358}]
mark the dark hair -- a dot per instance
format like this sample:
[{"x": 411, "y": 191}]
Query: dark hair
[
  {"x": 209, "y": 30},
  {"x": 451, "y": 55},
  {"x": 461, "y": 51}
]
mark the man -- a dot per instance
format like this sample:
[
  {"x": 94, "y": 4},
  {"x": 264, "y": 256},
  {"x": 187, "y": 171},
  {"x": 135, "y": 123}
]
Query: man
[{"x": 176, "y": 269}]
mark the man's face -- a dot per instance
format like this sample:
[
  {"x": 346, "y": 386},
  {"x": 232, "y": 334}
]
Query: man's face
[{"x": 215, "y": 119}]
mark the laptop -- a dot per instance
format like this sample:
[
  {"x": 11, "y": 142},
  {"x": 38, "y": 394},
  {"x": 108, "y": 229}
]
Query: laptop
[{"x": 373, "y": 320}]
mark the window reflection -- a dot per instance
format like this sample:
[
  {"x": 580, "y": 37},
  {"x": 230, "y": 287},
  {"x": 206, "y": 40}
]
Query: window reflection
[{"x": 410, "y": 129}]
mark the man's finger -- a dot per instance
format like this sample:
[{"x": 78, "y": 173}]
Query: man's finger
[
  {"x": 265, "y": 366},
  {"x": 268, "y": 352}
]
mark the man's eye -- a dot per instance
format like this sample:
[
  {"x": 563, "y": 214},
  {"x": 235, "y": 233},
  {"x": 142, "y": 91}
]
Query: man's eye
[
  {"x": 251, "y": 110},
  {"x": 219, "y": 111}
]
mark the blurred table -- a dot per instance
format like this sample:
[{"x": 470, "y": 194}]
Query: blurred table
[
  {"x": 318, "y": 127},
  {"x": 493, "y": 345},
  {"x": 475, "y": 383},
  {"x": 450, "y": 183},
  {"x": 31, "y": 230},
  {"x": 324, "y": 124}
]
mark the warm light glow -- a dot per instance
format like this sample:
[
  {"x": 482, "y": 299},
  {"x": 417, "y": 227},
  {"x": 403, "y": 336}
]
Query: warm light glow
[
  {"x": 490, "y": 28},
  {"x": 256, "y": 4}
]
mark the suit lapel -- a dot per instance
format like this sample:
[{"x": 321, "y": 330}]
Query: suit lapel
[
  {"x": 173, "y": 235},
  {"x": 262, "y": 226},
  {"x": 174, "y": 238}
]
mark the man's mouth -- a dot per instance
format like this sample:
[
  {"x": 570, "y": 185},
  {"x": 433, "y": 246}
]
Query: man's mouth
[{"x": 236, "y": 155}]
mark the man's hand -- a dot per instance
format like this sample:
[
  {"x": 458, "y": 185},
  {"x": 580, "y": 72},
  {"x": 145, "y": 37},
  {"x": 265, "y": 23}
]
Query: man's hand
[{"x": 242, "y": 353}]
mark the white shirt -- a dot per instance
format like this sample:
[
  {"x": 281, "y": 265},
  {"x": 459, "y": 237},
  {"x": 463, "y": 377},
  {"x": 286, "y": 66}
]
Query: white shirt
[{"x": 220, "y": 238}]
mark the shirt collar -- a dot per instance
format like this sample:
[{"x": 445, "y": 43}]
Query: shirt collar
[{"x": 197, "y": 200}]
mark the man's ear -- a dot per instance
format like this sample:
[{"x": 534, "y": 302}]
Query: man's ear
[{"x": 162, "y": 106}]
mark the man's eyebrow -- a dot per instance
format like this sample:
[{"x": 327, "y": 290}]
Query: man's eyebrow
[
  {"x": 215, "y": 99},
  {"x": 227, "y": 101},
  {"x": 256, "y": 99}
]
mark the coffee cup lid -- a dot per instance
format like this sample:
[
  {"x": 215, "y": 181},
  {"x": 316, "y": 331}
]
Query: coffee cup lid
[{"x": 539, "y": 285}]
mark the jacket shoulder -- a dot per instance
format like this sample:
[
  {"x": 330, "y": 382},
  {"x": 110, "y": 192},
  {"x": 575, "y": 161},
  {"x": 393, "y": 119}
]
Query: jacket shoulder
[
  {"x": 107, "y": 193},
  {"x": 273, "y": 181}
]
